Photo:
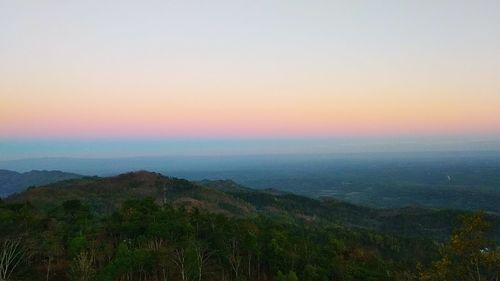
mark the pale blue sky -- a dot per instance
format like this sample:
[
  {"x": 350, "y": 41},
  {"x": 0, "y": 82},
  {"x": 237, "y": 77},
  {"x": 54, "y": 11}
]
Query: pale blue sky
[{"x": 83, "y": 78}]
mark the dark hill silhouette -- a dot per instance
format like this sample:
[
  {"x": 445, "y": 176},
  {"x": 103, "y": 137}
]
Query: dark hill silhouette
[{"x": 12, "y": 182}]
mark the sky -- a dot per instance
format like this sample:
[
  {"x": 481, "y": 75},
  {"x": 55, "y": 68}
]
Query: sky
[{"x": 77, "y": 77}]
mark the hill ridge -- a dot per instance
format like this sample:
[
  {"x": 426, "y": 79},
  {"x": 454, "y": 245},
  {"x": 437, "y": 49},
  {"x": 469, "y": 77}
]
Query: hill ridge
[{"x": 106, "y": 194}]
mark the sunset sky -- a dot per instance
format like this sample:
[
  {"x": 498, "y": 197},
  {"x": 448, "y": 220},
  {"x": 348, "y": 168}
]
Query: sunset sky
[{"x": 100, "y": 70}]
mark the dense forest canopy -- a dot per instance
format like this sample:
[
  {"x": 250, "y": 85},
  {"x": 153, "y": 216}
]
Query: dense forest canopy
[{"x": 172, "y": 233}]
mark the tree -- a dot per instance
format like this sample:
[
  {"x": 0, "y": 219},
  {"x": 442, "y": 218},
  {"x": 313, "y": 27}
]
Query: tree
[
  {"x": 11, "y": 254},
  {"x": 181, "y": 259},
  {"x": 291, "y": 276},
  {"x": 469, "y": 255},
  {"x": 234, "y": 257},
  {"x": 280, "y": 276},
  {"x": 202, "y": 255},
  {"x": 52, "y": 246},
  {"x": 82, "y": 268}
]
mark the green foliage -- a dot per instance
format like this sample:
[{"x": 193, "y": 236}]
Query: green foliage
[
  {"x": 299, "y": 239},
  {"x": 291, "y": 276},
  {"x": 82, "y": 267},
  {"x": 77, "y": 245},
  {"x": 468, "y": 255},
  {"x": 143, "y": 240},
  {"x": 71, "y": 207}
]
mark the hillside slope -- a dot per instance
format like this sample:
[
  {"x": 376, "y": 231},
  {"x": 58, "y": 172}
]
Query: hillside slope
[{"x": 104, "y": 195}]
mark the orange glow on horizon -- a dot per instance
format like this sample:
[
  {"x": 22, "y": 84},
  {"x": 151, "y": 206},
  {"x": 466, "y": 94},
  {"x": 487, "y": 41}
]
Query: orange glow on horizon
[{"x": 205, "y": 69}]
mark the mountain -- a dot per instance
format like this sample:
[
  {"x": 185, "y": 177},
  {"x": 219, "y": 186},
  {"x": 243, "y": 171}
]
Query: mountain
[
  {"x": 11, "y": 182},
  {"x": 146, "y": 226},
  {"x": 107, "y": 194},
  {"x": 446, "y": 180}
]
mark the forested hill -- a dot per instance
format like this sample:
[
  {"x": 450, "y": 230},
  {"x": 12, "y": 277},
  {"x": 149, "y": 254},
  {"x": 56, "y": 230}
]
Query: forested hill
[
  {"x": 147, "y": 227},
  {"x": 11, "y": 182},
  {"x": 106, "y": 195}
]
